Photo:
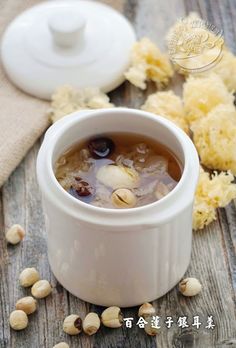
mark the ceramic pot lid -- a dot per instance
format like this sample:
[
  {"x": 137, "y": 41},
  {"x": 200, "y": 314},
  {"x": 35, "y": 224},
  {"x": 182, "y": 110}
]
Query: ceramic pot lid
[{"x": 77, "y": 42}]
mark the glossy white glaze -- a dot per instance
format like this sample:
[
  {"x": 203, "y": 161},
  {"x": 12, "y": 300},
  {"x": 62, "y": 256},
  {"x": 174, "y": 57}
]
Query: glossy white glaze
[
  {"x": 117, "y": 257},
  {"x": 80, "y": 43}
]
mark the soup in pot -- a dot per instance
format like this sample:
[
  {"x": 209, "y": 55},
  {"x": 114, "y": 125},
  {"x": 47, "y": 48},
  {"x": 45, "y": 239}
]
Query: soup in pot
[{"x": 118, "y": 170}]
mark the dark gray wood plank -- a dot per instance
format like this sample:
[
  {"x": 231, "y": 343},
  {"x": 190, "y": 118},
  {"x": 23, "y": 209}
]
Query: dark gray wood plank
[{"x": 213, "y": 256}]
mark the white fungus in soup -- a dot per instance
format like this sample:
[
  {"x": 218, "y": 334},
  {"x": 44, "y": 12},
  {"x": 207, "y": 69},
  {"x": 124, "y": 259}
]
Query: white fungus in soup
[{"x": 118, "y": 170}]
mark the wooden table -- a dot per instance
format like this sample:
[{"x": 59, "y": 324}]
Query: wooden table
[{"x": 213, "y": 255}]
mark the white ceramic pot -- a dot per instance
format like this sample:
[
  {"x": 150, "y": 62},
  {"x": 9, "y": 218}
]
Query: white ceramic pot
[{"x": 117, "y": 257}]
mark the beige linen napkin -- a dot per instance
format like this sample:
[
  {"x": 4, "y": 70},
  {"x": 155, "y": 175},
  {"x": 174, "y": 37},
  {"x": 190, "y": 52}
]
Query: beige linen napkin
[{"x": 22, "y": 117}]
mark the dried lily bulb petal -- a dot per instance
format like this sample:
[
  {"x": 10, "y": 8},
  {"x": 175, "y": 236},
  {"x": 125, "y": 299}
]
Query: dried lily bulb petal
[{"x": 118, "y": 177}]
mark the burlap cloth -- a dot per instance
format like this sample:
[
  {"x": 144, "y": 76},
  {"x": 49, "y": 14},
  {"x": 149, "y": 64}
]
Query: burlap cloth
[{"x": 22, "y": 117}]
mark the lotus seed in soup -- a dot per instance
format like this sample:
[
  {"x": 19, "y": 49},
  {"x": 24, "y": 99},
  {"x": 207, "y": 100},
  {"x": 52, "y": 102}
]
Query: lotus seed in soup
[{"x": 118, "y": 170}]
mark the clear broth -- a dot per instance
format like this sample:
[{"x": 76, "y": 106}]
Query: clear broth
[{"x": 158, "y": 169}]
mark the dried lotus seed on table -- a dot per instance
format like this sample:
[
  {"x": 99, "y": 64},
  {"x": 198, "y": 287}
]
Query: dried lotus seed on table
[
  {"x": 112, "y": 317},
  {"x": 61, "y": 345},
  {"x": 149, "y": 328},
  {"x": 28, "y": 277},
  {"x": 148, "y": 63},
  {"x": 18, "y": 320},
  {"x": 91, "y": 323},
  {"x": 15, "y": 234},
  {"x": 124, "y": 170},
  {"x": 146, "y": 310},
  {"x": 72, "y": 324},
  {"x": 27, "y": 304},
  {"x": 190, "y": 287},
  {"x": 41, "y": 289}
]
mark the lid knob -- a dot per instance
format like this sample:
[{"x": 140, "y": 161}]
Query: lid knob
[{"x": 67, "y": 28}]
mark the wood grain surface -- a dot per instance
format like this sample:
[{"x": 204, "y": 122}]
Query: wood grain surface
[{"x": 213, "y": 256}]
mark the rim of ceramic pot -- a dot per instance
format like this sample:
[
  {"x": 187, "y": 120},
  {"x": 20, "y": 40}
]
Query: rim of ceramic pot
[{"x": 184, "y": 141}]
